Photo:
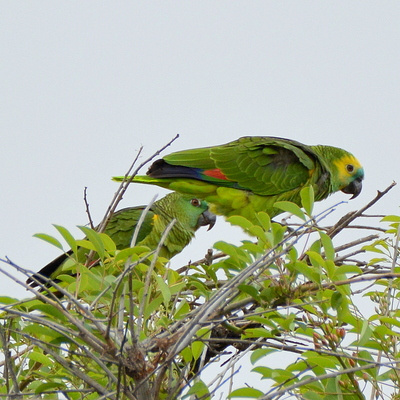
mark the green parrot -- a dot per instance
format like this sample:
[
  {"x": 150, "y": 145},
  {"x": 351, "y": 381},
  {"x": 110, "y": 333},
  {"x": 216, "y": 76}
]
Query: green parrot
[
  {"x": 250, "y": 174},
  {"x": 189, "y": 214}
]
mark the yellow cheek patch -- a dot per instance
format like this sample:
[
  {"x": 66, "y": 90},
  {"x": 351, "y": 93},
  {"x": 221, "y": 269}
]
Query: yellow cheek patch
[{"x": 341, "y": 165}]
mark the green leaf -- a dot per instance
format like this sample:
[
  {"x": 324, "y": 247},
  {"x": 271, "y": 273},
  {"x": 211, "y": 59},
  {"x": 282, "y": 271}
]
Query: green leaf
[
  {"x": 186, "y": 353},
  {"x": 328, "y": 246},
  {"x": 278, "y": 231},
  {"x": 51, "y": 311},
  {"x": 367, "y": 356},
  {"x": 7, "y": 300},
  {"x": 266, "y": 372},
  {"x": 308, "y": 271},
  {"x": 66, "y": 278},
  {"x": 40, "y": 331},
  {"x": 49, "y": 239},
  {"x": 177, "y": 287},
  {"x": 316, "y": 246},
  {"x": 166, "y": 292},
  {"x": 336, "y": 300},
  {"x": 182, "y": 310},
  {"x": 290, "y": 208},
  {"x": 80, "y": 284},
  {"x": 260, "y": 353},
  {"x": 109, "y": 244},
  {"x": 240, "y": 221},
  {"x": 152, "y": 306},
  {"x": 320, "y": 360},
  {"x": 246, "y": 392},
  {"x": 312, "y": 396},
  {"x": 41, "y": 358},
  {"x": 226, "y": 248},
  {"x": 238, "y": 256},
  {"x": 200, "y": 389},
  {"x": 316, "y": 259},
  {"x": 372, "y": 248},
  {"x": 282, "y": 375},
  {"x": 134, "y": 252},
  {"x": 250, "y": 290},
  {"x": 198, "y": 346},
  {"x": 255, "y": 249},
  {"x": 391, "y": 218},
  {"x": 332, "y": 386},
  {"x": 264, "y": 220},
  {"x": 390, "y": 321},
  {"x": 257, "y": 332},
  {"x": 307, "y": 199},
  {"x": 365, "y": 334},
  {"x": 95, "y": 239},
  {"x": 257, "y": 231},
  {"x": 49, "y": 385},
  {"x": 64, "y": 232},
  {"x": 346, "y": 269}
]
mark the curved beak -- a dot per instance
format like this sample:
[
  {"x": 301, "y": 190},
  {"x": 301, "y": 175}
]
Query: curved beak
[
  {"x": 353, "y": 188},
  {"x": 207, "y": 218}
]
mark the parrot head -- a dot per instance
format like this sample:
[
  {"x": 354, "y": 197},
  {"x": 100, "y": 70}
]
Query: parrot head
[
  {"x": 351, "y": 175},
  {"x": 346, "y": 171},
  {"x": 191, "y": 211}
]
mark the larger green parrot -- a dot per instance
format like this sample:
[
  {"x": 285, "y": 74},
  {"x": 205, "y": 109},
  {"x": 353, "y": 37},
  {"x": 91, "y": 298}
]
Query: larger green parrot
[
  {"x": 189, "y": 214},
  {"x": 252, "y": 173}
]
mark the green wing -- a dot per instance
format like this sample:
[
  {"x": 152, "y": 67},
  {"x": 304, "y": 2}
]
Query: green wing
[
  {"x": 123, "y": 224},
  {"x": 263, "y": 165}
]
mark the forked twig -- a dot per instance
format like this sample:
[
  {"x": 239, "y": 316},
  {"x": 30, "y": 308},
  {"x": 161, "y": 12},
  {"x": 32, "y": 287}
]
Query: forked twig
[
  {"x": 351, "y": 216},
  {"x": 128, "y": 178}
]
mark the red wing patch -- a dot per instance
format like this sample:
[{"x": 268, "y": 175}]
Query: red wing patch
[{"x": 215, "y": 173}]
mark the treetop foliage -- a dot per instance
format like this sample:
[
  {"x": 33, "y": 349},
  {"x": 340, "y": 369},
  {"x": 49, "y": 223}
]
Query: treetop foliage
[{"x": 314, "y": 319}]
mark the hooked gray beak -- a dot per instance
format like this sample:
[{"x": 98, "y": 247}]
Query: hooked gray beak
[
  {"x": 207, "y": 218},
  {"x": 353, "y": 188}
]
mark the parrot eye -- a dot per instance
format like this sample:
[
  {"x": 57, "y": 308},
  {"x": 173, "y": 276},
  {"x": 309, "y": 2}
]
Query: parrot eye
[
  {"x": 350, "y": 168},
  {"x": 195, "y": 202}
]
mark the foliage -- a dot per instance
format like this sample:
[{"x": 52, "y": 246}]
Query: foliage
[{"x": 129, "y": 327}]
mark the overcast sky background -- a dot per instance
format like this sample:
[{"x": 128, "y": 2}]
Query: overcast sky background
[{"x": 85, "y": 84}]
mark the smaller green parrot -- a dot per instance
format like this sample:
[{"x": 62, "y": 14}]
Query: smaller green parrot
[
  {"x": 252, "y": 173},
  {"x": 189, "y": 213}
]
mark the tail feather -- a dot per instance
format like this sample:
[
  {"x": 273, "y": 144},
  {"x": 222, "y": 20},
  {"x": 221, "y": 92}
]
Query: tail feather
[
  {"x": 47, "y": 270},
  {"x": 161, "y": 169}
]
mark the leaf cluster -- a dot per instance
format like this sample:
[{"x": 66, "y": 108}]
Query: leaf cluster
[{"x": 128, "y": 326}]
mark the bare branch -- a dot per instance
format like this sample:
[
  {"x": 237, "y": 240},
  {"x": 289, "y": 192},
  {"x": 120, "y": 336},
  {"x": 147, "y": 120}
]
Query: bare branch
[
  {"x": 351, "y": 216},
  {"x": 126, "y": 182},
  {"x": 87, "y": 207}
]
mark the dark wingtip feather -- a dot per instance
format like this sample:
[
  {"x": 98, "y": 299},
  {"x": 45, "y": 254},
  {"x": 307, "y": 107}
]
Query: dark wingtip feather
[
  {"x": 161, "y": 169},
  {"x": 47, "y": 270}
]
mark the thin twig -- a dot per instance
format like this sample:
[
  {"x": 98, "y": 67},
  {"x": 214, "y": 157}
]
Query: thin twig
[
  {"x": 303, "y": 382},
  {"x": 87, "y": 207},
  {"x": 118, "y": 282},
  {"x": 351, "y": 216},
  {"x": 355, "y": 243},
  {"x": 9, "y": 364},
  {"x": 128, "y": 178},
  {"x": 69, "y": 366},
  {"x": 208, "y": 259},
  {"x": 146, "y": 287}
]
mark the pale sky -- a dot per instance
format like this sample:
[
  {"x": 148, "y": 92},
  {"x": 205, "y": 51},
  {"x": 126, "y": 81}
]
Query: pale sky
[{"x": 85, "y": 84}]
